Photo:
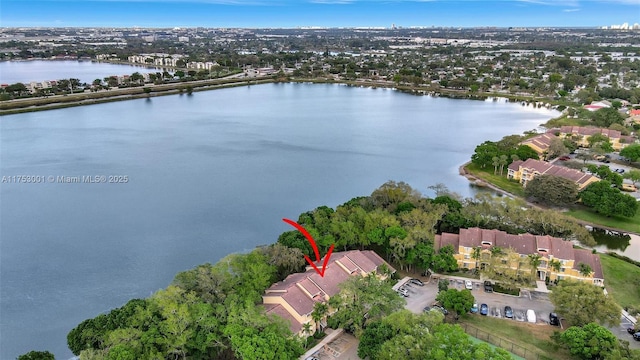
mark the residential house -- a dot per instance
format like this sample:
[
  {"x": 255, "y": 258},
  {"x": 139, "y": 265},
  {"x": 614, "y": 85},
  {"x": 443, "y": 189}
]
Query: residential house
[
  {"x": 581, "y": 134},
  {"x": 550, "y": 249},
  {"x": 634, "y": 116},
  {"x": 524, "y": 171},
  {"x": 294, "y": 298},
  {"x": 540, "y": 143}
]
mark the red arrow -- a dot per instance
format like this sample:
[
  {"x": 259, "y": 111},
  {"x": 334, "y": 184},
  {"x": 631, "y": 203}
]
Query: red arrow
[{"x": 314, "y": 246}]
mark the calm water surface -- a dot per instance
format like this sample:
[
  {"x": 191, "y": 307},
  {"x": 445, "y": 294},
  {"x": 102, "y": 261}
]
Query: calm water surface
[
  {"x": 12, "y": 72},
  {"x": 208, "y": 175}
]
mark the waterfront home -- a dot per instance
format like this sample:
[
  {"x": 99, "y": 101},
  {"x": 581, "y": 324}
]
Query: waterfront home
[
  {"x": 293, "y": 299},
  {"x": 524, "y": 171},
  {"x": 581, "y": 134},
  {"x": 557, "y": 258}
]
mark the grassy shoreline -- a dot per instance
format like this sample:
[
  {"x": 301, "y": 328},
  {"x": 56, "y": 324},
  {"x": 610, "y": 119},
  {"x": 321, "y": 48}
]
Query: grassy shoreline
[
  {"x": 584, "y": 215},
  {"x": 622, "y": 280}
]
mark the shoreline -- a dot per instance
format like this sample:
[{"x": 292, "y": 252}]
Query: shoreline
[
  {"x": 32, "y": 104},
  {"x": 475, "y": 181}
]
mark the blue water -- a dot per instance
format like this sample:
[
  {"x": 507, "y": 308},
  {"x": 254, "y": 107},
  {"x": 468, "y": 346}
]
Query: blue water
[
  {"x": 208, "y": 175},
  {"x": 12, "y": 72}
]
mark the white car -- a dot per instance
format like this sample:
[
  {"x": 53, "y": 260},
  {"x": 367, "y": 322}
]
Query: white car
[
  {"x": 468, "y": 285},
  {"x": 531, "y": 316}
]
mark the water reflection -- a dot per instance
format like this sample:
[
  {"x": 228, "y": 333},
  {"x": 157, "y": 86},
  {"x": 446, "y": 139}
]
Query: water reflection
[{"x": 612, "y": 240}]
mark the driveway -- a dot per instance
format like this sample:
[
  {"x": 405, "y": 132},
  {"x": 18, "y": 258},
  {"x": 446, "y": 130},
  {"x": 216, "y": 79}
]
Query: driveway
[{"x": 621, "y": 332}]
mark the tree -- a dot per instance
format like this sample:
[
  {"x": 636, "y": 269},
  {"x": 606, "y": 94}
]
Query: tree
[
  {"x": 373, "y": 337},
  {"x": 504, "y": 160},
  {"x": 631, "y": 152},
  {"x": 605, "y": 117},
  {"x": 475, "y": 255},
  {"x": 443, "y": 285},
  {"x": 306, "y": 329},
  {"x": 557, "y": 148},
  {"x": 633, "y": 175},
  {"x": 589, "y": 342},
  {"x": 320, "y": 311},
  {"x": 552, "y": 190},
  {"x": 37, "y": 355},
  {"x": 361, "y": 301},
  {"x": 444, "y": 260},
  {"x": 581, "y": 303},
  {"x": 495, "y": 161},
  {"x": 608, "y": 201},
  {"x": 584, "y": 269},
  {"x": 459, "y": 301},
  {"x": 484, "y": 154}
]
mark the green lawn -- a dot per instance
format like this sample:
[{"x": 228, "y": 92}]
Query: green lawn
[
  {"x": 476, "y": 340},
  {"x": 534, "y": 338},
  {"x": 501, "y": 182},
  {"x": 622, "y": 280},
  {"x": 617, "y": 222}
]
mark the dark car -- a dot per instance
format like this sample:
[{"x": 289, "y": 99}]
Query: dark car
[
  {"x": 488, "y": 287},
  {"x": 426, "y": 308},
  {"x": 417, "y": 282},
  {"x": 564, "y": 158},
  {"x": 636, "y": 336},
  {"x": 484, "y": 309},
  {"x": 508, "y": 312},
  {"x": 553, "y": 319},
  {"x": 443, "y": 310},
  {"x": 632, "y": 330}
]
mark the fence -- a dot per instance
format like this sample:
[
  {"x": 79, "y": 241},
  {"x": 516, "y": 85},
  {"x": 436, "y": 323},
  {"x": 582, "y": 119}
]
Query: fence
[{"x": 502, "y": 343}]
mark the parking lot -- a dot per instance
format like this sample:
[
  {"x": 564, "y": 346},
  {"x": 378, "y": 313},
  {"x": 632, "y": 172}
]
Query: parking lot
[{"x": 421, "y": 296}]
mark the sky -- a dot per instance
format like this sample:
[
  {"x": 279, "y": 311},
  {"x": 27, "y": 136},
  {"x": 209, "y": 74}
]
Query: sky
[{"x": 322, "y": 13}]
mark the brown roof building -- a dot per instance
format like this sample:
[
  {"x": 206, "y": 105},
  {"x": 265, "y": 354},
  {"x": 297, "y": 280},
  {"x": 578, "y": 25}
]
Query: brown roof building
[
  {"x": 294, "y": 298},
  {"x": 524, "y": 171},
  {"x": 549, "y": 248}
]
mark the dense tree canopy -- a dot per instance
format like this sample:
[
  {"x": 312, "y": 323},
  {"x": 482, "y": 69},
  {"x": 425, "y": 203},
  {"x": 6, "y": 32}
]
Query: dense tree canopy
[
  {"x": 605, "y": 117},
  {"x": 37, "y": 355},
  {"x": 552, "y": 190},
  {"x": 631, "y": 152},
  {"x": 608, "y": 201},
  {"x": 460, "y": 301},
  {"x": 590, "y": 342},
  {"x": 593, "y": 304}
]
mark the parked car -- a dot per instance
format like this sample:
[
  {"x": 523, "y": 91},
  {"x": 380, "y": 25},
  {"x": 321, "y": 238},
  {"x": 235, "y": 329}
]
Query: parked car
[
  {"x": 629, "y": 187},
  {"x": 632, "y": 330},
  {"x": 443, "y": 310},
  {"x": 417, "y": 282},
  {"x": 553, "y": 319},
  {"x": 484, "y": 309},
  {"x": 564, "y": 158},
  {"x": 468, "y": 285},
  {"x": 508, "y": 312},
  {"x": 427, "y": 309},
  {"x": 404, "y": 292},
  {"x": 531, "y": 316},
  {"x": 636, "y": 336},
  {"x": 474, "y": 308},
  {"x": 619, "y": 171},
  {"x": 488, "y": 287}
]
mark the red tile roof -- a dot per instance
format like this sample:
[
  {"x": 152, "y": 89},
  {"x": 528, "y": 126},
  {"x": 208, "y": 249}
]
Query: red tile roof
[
  {"x": 544, "y": 168},
  {"x": 586, "y": 257},
  {"x": 278, "y": 310},
  {"x": 542, "y": 141}
]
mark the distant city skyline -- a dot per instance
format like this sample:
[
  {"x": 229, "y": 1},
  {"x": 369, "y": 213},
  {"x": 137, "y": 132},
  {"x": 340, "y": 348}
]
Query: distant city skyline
[{"x": 318, "y": 13}]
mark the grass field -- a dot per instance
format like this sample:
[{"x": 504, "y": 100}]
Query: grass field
[
  {"x": 616, "y": 222},
  {"x": 501, "y": 182},
  {"x": 535, "y": 338},
  {"x": 475, "y": 340},
  {"x": 622, "y": 280}
]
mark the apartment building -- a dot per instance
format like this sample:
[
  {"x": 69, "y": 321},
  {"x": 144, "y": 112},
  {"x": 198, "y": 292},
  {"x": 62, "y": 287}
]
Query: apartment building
[
  {"x": 558, "y": 259},
  {"x": 294, "y": 298},
  {"x": 525, "y": 171}
]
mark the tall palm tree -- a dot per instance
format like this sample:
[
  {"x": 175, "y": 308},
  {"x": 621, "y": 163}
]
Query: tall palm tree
[
  {"x": 503, "y": 161},
  {"x": 320, "y": 310},
  {"x": 496, "y": 163},
  {"x": 306, "y": 329},
  {"x": 534, "y": 261},
  {"x": 475, "y": 254}
]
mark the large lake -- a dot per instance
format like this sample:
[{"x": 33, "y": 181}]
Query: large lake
[
  {"x": 208, "y": 175},
  {"x": 12, "y": 72}
]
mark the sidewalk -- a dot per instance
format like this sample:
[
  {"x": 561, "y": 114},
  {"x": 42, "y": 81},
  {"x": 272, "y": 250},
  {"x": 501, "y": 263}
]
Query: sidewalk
[{"x": 331, "y": 334}]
